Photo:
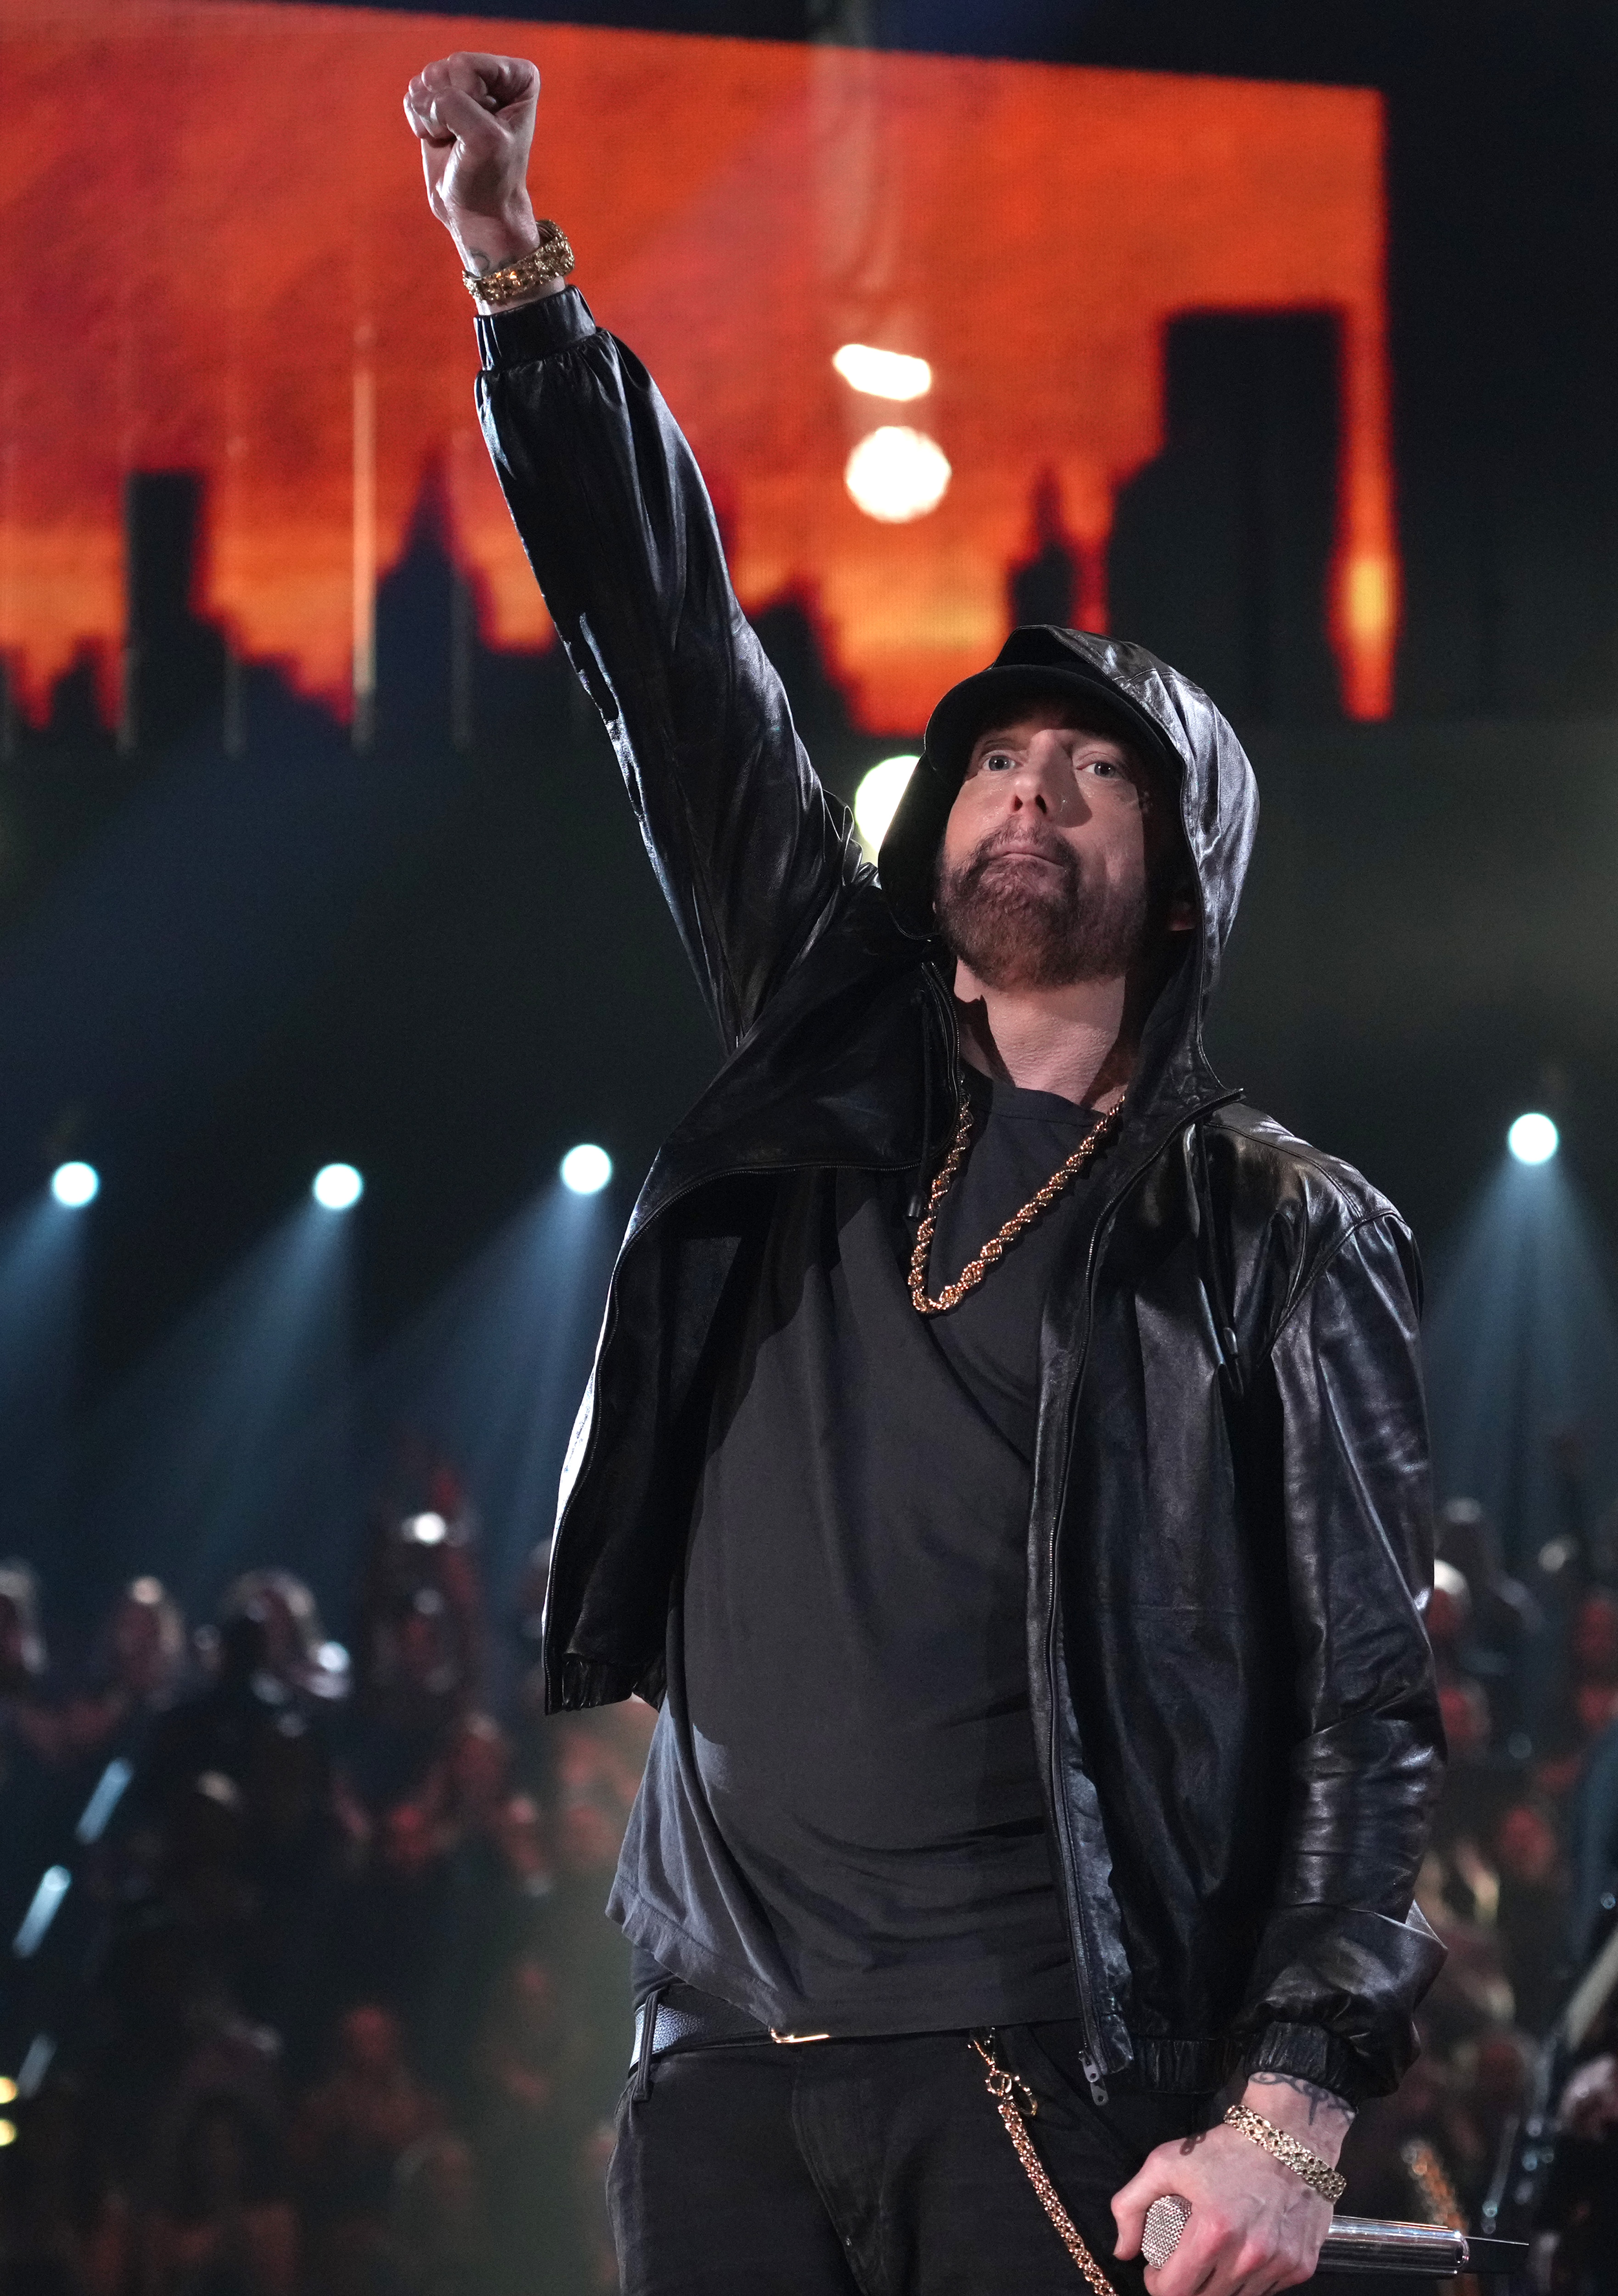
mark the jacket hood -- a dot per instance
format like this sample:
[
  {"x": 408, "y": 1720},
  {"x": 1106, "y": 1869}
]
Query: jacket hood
[{"x": 1218, "y": 808}]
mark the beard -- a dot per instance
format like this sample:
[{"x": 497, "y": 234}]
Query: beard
[{"x": 1022, "y": 928}]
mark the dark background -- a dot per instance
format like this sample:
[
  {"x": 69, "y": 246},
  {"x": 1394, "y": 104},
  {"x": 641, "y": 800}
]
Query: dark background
[{"x": 234, "y": 947}]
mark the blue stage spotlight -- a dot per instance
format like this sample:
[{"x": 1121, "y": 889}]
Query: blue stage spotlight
[
  {"x": 109, "y": 1793},
  {"x": 75, "y": 1184},
  {"x": 338, "y": 1187},
  {"x": 232, "y": 1439},
  {"x": 32, "y": 2070},
  {"x": 54, "y": 1883},
  {"x": 586, "y": 1170},
  {"x": 1533, "y": 1139}
]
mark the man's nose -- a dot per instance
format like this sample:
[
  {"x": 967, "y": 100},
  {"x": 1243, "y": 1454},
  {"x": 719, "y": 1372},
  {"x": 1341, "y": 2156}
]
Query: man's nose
[{"x": 1045, "y": 782}]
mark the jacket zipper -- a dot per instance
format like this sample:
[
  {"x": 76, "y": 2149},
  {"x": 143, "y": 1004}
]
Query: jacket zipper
[{"x": 1090, "y": 2055}]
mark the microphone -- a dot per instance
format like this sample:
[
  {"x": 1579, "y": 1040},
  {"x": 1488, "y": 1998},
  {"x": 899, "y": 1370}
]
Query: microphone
[{"x": 1360, "y": 2244}]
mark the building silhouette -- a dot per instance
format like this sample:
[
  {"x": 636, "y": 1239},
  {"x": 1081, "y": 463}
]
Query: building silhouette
[
  {"x": 1044, "y": 587},
  {"x": 174, "y": 662},
  {"x": 1222, "y": 547}
]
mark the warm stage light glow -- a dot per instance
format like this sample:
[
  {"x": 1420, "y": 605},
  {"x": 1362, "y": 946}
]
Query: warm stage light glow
[
  {"x": 75, "y": 1184},
  {"x": 877, "y": 799},
  {"x": 8, "y": 2132},
  {"x": 8, "y": 2090},
  {"x": 760, "y": 202},
  {"x": 586, "y": 1170},
  {"x": 883, "y": 374},
  {"x": 338, "y": 1187},
  {"x": 897, "y": 474},
  {"x": 1533, "y": 1139}
]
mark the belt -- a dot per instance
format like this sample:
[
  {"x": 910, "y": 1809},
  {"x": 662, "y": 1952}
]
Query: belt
[{"x": 695, "y": 2020}]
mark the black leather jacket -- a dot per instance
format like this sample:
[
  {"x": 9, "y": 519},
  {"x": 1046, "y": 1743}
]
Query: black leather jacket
[{"x": 1232, "y": 1694}]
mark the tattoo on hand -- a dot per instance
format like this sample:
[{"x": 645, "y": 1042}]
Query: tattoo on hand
[{"x": 1320, "y": 2100}]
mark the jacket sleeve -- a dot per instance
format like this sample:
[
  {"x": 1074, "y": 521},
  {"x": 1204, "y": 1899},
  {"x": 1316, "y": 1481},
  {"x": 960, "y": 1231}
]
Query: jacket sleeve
[
  {"x": 1345, "y": 1954},
  {"x": 752, "y": 855}
]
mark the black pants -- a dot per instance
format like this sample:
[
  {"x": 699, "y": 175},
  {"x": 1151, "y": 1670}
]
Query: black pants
[{"x": 876, "y": 2167}]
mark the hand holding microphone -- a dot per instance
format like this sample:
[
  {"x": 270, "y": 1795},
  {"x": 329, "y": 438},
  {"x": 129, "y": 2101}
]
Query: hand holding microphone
[{"x": 1378, "y": 2244}]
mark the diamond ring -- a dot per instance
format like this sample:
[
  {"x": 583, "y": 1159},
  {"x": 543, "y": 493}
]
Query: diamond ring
[{"x": 1165, "y": 2220}]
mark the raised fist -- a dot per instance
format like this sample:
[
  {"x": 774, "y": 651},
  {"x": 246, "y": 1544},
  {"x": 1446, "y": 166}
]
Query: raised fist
[{"x": 475, "y": 117}]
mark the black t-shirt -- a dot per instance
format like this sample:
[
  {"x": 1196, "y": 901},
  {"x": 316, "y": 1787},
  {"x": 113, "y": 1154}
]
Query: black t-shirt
[{"x": 841, "y": 1820}]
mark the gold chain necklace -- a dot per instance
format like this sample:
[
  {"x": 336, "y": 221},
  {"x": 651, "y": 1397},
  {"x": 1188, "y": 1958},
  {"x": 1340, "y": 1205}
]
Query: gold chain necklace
[{"x": 973, "y": 1272}]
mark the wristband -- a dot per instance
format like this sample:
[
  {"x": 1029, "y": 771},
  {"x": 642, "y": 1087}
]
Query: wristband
[
  {"x": 1319, "y": 2175},
  {"x": 552, "y": 259}
]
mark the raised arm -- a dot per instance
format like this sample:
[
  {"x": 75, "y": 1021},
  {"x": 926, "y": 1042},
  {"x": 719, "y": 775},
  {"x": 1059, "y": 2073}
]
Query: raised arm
[{"x": 752, "y": 857}]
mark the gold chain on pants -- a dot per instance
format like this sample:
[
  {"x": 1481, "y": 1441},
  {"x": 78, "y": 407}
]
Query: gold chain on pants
[{"x": 1017, "y": 2111}]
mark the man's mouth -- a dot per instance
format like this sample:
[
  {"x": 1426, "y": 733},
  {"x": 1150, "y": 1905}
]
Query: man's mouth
[{"x": 1023, "y": 853}]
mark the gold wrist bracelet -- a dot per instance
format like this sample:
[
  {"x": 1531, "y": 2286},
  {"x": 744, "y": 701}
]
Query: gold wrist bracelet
[
  {"x": 552, "y": 259},
  {"x": 1319, "y": 2175}
]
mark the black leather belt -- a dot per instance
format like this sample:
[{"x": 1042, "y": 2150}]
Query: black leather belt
[{"x": 677, "y": 2017}]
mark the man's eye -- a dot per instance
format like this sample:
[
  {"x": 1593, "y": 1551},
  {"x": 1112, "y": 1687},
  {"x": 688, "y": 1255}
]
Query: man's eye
[
  {"x": 1110, "y": 769},
  {"x": 996, "y": 760}
]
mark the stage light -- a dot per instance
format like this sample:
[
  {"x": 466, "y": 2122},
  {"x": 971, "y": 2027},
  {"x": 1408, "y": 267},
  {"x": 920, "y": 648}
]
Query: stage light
[
  {"x": 877, "y": 799},
  {"x": 109, "y": 1793},
  {"x": 338, "y": 1187},
  {"x": 32, "y": 2070},
  {"x": 53, "y": 1886},
  {"x": 883, "y": 374},
  {"x": 8, "y": 2132},
  {"x": 586, "y": 1170},
  {"x": 75, "y": 1184},
  {"x": 896, "y": 474},
  {"x": 8, "y": 2090},
  {"x": 1533, "y": 1139},
  {"x": 425, "y": 1529}
]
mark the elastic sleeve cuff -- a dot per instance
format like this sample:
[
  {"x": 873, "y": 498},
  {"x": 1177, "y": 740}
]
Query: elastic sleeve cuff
[
  {"x": 1307, "y": 2053},
  {"x": 534, "y": 331}
]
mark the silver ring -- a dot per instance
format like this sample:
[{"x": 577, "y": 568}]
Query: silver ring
[{"x": 1165, "y": 2220}]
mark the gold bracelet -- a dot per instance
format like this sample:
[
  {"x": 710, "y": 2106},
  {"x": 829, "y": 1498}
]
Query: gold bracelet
[
  {"x": 1319, "y": 2175},
  {"x": 552, "y": 259}
]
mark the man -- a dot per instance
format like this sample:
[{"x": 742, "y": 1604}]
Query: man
[{"x": 1004, "y": 1460}]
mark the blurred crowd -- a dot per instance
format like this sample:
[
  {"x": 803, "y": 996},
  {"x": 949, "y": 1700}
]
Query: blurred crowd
[
  {"x": 310, "y": 1992},
  {"x": 1521, "y": 1880}
]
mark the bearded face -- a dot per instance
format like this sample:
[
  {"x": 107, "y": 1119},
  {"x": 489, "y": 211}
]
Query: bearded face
[{"x": 1035, "y": 923}]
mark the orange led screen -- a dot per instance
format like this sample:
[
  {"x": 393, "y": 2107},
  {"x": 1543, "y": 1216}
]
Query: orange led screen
[{"x": 216, "y": 254}]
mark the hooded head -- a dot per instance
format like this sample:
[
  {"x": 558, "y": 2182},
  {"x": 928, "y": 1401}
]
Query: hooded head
[{"x": 1125, "y": 690}]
